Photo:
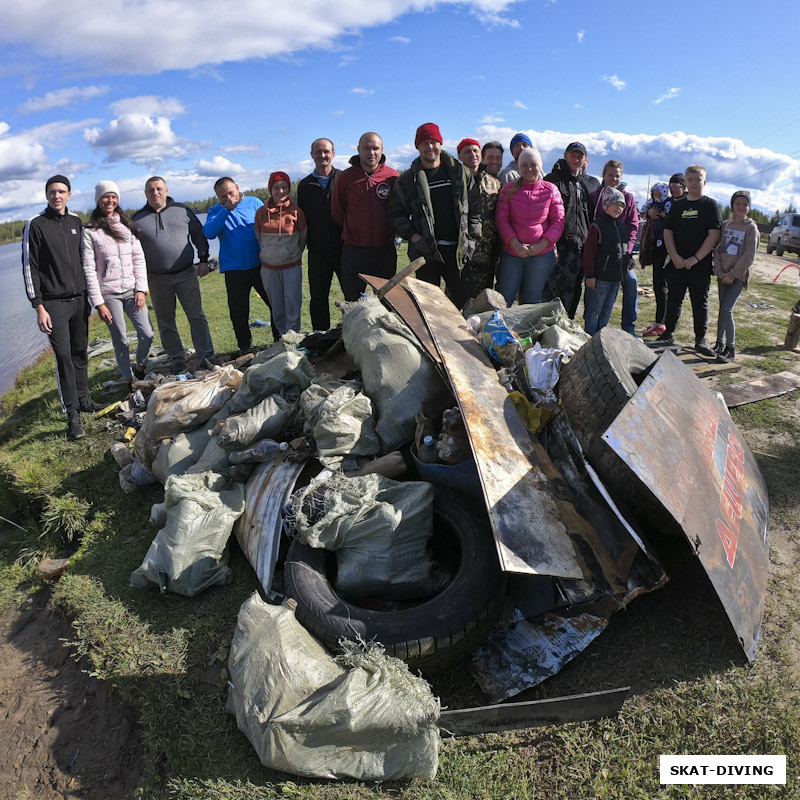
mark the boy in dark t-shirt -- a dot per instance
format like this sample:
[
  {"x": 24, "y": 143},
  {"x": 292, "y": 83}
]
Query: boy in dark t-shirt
[{"x": 691, "y": 230}]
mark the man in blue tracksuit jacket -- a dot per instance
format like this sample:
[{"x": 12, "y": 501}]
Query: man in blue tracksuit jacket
[{"x": 231, "y": 220}]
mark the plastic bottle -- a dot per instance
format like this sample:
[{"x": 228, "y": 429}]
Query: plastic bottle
[
  {"x": 261, "y": 451},
  {"x": 426, "y": 452}
]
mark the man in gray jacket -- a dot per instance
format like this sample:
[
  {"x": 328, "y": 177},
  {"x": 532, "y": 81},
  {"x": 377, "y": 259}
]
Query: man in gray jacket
[{"x": 166, "y": 229}]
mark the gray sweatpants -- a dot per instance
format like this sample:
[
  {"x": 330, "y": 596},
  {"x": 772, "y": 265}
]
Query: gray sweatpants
[
  {"x": 119, "y": 305},
  {"x": 165, "y": 288},
  {"x": 285, "y": 290}
]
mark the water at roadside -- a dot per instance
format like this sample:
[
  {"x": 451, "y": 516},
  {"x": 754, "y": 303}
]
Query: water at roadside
[{"x": 21, "y": 341}]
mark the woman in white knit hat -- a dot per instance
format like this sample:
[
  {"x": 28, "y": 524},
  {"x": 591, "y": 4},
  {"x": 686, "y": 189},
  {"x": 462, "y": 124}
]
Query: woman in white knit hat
[{"x": 116, "y": 277}]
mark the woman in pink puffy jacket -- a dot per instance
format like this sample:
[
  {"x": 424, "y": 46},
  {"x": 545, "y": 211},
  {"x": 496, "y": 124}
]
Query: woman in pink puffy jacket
[
  {"x": 116, "y": 277},
  {"x": 530, "y": 220}
]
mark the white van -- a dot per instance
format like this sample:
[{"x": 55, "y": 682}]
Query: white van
[{"x": 785, "y": 235}]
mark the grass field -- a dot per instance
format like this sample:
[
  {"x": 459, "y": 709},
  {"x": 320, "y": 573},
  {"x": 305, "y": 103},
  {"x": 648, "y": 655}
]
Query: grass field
[{"x": 691, "y": 691}]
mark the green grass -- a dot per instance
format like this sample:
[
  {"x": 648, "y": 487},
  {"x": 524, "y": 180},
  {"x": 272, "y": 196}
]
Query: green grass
[{"x": 167, "y": 654}]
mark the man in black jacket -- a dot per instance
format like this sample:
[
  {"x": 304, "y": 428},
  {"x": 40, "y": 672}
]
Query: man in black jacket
[
  {"x": 56, "y": 287},
  {"x": 324, "y": 235},
  {"x": 569, "y": 175}
]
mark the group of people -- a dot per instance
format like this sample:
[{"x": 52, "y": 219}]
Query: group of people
[{"x": 533, "y": 236}]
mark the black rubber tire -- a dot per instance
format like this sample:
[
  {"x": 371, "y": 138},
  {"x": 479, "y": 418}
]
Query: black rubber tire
[
  {"x": 770, "y": 249},
  {"x": 779, "y": 250},
  {"x": 431, "y": 636},
  {"x": 599, "y": 380}
]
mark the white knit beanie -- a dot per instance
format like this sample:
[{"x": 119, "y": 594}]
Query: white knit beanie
[{"x": 105, "y": 187}]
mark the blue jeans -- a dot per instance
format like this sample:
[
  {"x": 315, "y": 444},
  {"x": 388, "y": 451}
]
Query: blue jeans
[
  {"x": 728, "y": 295},
  {"x": 529, "y": 274},
  {"x": 598, "y": 304},
  {"x": 630, "y": 301}
]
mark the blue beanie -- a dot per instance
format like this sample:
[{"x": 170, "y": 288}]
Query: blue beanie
[{"x": 520, "y": 137}]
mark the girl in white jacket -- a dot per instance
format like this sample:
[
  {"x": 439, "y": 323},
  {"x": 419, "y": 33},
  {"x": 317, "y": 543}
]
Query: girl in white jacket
[{"x": 116, "y": 277}]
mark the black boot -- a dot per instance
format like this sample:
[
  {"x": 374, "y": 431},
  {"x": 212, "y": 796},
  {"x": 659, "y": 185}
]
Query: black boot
[{"x": 728, "y": 354}]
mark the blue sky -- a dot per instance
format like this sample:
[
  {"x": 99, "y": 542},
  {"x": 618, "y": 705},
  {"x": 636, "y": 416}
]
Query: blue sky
[{"x": 193, "y": 89}]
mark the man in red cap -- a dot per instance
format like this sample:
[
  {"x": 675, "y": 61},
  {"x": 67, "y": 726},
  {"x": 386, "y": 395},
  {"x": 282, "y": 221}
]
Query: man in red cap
[
  {"x": 478, "y": 274},
  {"x": 435, "y": 205},
  {"x": 359, "y": 206}
]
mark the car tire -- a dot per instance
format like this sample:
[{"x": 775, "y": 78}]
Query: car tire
[
  {"x": 779, "y": 250},
  {"x": 431, "y": 636},
  {"x": 594, "y": 386},
  {"x": 770, "y": 249}
]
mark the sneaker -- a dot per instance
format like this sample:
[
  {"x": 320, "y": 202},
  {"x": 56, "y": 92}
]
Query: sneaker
[
  {"x": 727, "y": 355},
  {"x": 179, "y": 368},
  {"x": 74, "y": 427},
  {"x": 666, "y": 338},
  {"x": 88, "y": 406},
  {"x": 139, "y": 372},
  {"x": 701, "y": 346},
  {"x": 206, "y": 364},
  {"x": 718, "y": 347},
  {"x": 656, "y": 329}
]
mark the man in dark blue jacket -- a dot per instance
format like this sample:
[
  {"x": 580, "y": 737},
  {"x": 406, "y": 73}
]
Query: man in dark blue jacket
[
  {"x": 56, "y": 287},
  {"x": 324, "y": 235}
]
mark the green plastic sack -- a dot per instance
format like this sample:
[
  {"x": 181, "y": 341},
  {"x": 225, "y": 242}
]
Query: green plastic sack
[{"x": 362, "y": 715}]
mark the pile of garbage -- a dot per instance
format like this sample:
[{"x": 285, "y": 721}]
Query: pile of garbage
[{"x": 374, "y": 468}]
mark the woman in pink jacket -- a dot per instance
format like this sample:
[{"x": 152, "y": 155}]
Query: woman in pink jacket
[
  {"x": 530, "y": 220},
  {"x": 116, "y": 277}
]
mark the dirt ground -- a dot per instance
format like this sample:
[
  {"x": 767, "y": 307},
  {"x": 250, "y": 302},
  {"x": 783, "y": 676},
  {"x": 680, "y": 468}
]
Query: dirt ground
[{"x": 64, "y": 734}]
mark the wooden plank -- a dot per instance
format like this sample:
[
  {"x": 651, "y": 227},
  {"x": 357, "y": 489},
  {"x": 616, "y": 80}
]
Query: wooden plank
[
  {"x": 739, "y": 394},
  {"x": 526, "y": 518},
  {"x": 534, "y": 713},
  {"x": 403, "y": 305}
]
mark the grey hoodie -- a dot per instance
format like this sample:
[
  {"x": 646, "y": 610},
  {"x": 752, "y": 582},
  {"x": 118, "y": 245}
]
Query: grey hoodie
[{"x": 166, "y": 235}]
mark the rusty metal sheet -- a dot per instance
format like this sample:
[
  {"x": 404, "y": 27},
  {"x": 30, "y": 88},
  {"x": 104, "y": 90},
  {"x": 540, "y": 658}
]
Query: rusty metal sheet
[
  {"x": 526, "y": 518},
  {"x": 739, "y": 394},
  {"x": 403, "y": 305},
  {"x": 680, "y": 441},
  {"x": 533, "y": 713}
]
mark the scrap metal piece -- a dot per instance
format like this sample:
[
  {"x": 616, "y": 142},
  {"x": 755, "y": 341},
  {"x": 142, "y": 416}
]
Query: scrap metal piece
[
  {"x": 527, "y": 520},
  {"x": 408, "y": 269},
  {"x": 534, "y": 713},
  {"x": 258, "y": 530},
  {"x": 679, "y": 440},
  {"x": 739, "y": 394},
  {"x": 403, "y": 305}
]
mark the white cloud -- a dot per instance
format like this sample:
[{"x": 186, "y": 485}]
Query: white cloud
[
  {"x": 62, "y": 98},
  {"x": 668, "y": 95},
  {"x": 360, "y": 90},
  {"x": 772, "y": 178},
  {"x": 23, "y": 154},
  {"x": 218, "y": 167},
  {"x": 491, "y": 118},
  {"x": 400, "y": 39},
  {"x": 149, "y": 105},
  {"x": 520, "y": 104},
  {"x": 140, "y": 139},
  {"x": 581, "y": 33},
  {"x": 615, "y": 81},
  {"x": 339, "y": 112},
  {"x": 153, "y": 36}
]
